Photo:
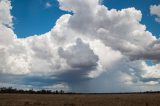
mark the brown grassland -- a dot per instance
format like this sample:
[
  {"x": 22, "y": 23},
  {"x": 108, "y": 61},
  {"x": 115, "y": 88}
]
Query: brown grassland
[{"x": 79, "y": 99}]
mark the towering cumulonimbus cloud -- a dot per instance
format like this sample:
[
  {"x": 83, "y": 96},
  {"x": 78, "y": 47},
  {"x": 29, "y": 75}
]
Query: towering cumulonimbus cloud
[{"x": 92, "y": 45}]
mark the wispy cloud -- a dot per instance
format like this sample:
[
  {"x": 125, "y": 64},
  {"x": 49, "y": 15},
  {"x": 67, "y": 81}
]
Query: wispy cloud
[{"x": 48, "y": 4}]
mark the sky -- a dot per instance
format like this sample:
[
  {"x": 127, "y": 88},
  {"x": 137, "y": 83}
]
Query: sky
[
  {"x": 39, "y": 16},
  {"x": 80, "y": 45},
  {"x": 34, "y": 16}
]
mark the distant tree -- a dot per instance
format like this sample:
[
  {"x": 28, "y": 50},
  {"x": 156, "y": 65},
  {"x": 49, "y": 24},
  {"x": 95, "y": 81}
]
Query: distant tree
[
  {"x": 31, "y": 91},
  {"x": 61, "y": 92},
  {"x": 56, "y": 92}
]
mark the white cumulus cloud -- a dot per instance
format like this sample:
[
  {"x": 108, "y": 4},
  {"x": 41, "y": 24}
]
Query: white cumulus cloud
[{"x": 155, "y": 10}]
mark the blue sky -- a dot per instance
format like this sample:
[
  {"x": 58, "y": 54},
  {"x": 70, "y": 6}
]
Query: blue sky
[{"x": 34, "y": 17}]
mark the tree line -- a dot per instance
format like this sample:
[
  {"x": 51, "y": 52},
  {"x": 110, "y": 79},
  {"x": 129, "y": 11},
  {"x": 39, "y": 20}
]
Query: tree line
[
  {"x": 43, "y": 91},
  {"x": 31, "y": 91}
]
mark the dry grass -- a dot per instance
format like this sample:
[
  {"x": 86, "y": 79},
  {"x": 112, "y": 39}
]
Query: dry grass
[{"x": 80, "y": 100}]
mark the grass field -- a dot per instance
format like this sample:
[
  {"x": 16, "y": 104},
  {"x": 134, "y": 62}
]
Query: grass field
[{"x": 80, "y": 100}]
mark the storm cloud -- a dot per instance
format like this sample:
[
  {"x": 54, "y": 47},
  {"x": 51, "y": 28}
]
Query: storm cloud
[{"x": 93, "y": 46}]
